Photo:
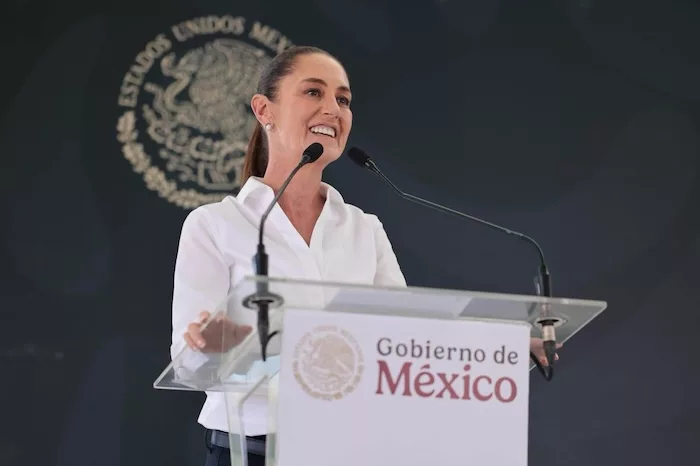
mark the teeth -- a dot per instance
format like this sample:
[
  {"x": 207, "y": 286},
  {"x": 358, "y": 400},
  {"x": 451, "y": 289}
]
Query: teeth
[{"x": 328, "y": 131}]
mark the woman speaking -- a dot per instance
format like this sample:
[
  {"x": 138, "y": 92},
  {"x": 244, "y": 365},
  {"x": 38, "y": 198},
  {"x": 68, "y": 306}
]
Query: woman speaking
[{"x": 303, "y": 97}]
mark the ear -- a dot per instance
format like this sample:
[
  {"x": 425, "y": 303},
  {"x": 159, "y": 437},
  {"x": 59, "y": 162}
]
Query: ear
[{"x": 261, "y": 108}]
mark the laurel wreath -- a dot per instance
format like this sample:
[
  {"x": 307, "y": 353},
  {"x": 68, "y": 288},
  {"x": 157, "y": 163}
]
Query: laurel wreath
[{"x": 155, "y": 179}]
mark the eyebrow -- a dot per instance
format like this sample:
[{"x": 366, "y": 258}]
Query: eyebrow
[{"x": 321, "y": 81}]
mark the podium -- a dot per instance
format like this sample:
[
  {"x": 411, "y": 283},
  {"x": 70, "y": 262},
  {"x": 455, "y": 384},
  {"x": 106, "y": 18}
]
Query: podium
[{"x": 376, "y": 376}]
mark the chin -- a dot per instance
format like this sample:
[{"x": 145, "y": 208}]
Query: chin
[
  {"x": 330, "y": 154},
  {"x": 331, "y": 147}
]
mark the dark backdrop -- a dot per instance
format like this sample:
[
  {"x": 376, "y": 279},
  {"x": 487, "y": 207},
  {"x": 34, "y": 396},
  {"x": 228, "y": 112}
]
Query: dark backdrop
[{"x": 574, "y": 121}]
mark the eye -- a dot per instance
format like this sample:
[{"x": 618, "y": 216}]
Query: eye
[
  {"x": 344, "y": 101},
  {"x": 313, "y": 92}
]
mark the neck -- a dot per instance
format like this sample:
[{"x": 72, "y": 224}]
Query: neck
[{"x": 302, "y": 192}]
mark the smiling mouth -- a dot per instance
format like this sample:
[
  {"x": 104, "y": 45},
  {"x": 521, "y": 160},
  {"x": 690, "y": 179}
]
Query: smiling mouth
[{"x": 324, "y": 130}]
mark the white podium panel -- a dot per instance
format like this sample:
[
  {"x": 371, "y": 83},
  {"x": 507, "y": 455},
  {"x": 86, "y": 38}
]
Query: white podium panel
[{"x": 378, "y": 390}]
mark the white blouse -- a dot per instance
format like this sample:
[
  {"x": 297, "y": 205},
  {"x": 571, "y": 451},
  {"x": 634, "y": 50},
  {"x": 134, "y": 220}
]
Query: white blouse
[{"x": 217, "y": 245}]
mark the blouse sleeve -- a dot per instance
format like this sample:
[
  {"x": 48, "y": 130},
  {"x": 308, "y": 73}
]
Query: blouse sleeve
[
  {"x": 388, "y": 270},
  {"x": 202, "y": 277}
]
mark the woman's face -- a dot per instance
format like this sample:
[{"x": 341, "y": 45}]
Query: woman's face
[{"x": 312, "y": 105}]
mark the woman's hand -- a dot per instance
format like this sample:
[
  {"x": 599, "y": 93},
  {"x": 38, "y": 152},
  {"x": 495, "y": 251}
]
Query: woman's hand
[
  {"x": 537, "y": 348},
  {"x": 219, "y": 335}
]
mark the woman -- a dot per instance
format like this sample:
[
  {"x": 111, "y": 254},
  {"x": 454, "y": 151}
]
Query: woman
[{"x": 303, "y": 97}]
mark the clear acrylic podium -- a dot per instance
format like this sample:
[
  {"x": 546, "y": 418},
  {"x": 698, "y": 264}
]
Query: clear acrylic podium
[{"x": 237, "y": 374}]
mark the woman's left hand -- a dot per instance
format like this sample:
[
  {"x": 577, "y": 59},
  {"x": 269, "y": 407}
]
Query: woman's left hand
[{"x": 537, "y": 348}]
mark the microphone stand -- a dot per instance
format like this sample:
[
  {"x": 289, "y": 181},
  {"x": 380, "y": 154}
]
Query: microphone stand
[
  {"x": 263, "y": 299},
  {"x": 543, "y": 281}
]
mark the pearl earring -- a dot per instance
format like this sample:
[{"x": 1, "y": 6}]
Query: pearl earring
[{"x": 268, "y": 126}]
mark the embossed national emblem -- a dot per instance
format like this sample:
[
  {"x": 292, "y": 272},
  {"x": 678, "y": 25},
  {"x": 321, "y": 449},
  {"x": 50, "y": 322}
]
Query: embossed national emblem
[
  {"x": 187, "y": 98},
  {"x": 328, "y": 363}
]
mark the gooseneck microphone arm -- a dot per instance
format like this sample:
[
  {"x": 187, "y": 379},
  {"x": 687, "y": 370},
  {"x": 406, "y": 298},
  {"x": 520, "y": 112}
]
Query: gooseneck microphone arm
[
  {"x": 544, "y": 283},
  {"x": 263, "y": 299},
  {"x": 544, "y": 272},
  {"x": 262, "y": 270}
]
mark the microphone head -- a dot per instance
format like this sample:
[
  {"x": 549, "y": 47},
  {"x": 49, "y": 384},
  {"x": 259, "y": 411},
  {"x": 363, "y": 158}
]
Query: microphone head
[
  {"x": 313, "y": 152},
  {"x": 358, "y": 156}
]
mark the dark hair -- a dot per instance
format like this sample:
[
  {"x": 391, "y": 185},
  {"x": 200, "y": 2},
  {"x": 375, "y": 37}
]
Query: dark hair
[{"x": 282, "y": 64}]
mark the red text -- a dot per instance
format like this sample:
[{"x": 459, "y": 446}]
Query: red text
[{"x": 427, "y": 383}]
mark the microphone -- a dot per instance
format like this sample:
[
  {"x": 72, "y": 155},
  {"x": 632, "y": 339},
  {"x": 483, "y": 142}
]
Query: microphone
[
  {"x": 543, "y": 282},
  {"x": 263, "y": 299}
]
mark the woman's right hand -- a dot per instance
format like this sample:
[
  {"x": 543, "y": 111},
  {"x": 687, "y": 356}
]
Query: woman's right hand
[{"x": 219, "y": 336}]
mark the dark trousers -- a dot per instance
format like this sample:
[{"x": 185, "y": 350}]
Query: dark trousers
[
  {"x": 218, "y": 456},
  {"x": 221, "y": 456}
]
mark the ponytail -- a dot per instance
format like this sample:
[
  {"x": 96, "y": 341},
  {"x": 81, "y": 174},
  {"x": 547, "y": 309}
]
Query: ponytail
[{"x": 255, "y": 162}]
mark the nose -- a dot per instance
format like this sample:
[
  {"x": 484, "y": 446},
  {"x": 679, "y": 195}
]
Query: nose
[{"x": 330, "y": 106}]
